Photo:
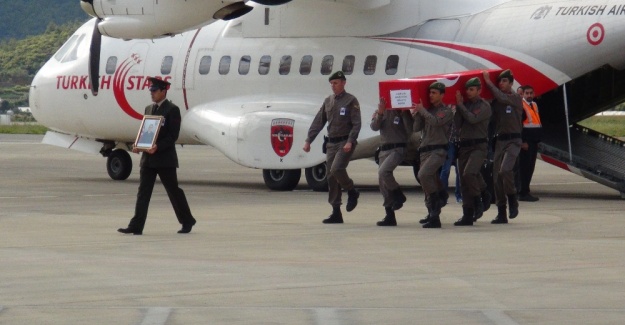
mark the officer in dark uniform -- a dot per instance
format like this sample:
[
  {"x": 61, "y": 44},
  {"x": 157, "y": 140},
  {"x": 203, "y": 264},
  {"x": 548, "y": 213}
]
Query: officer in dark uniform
[
  {"x": 472, "y": 118},
  {"x": 341, "y": 111},
  {"x": 161, "y": 160},
  {"x": 507, "y": 113},
  {"x": 434, "y": 122},
  {"x": 395, "y": 128}
]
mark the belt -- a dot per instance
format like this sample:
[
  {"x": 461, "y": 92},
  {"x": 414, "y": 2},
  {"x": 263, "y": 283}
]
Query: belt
[
  {"x": 338, "y": 139},
  {"x": 470, "y": 142},
  {"x": 433, "y": 147},
  {"x": 508, "y": 136},
  {"x": 390, "y": 146}
]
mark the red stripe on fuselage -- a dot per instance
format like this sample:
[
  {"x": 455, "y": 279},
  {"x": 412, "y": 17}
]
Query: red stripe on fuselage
[{"x": 524, "y": 73}]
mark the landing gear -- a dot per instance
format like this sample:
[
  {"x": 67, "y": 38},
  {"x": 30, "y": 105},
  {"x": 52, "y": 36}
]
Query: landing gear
[
  {"x": 119, "y": 164},
  {"x": 316, "y": 177},
  {"x": 282, "y": 179}
]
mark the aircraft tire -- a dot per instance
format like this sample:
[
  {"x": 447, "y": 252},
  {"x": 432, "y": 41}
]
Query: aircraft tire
[
  {"x": 119, "y": 164},
  {"x": 281, "y": 179},
  {"x": 316, "y": 177}
]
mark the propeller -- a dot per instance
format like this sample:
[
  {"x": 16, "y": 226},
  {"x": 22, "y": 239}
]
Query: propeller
[
  {"x": 94, "y": 58},
  {"x": 94, "y": 48},
  {"x": 272, "y": 2}
]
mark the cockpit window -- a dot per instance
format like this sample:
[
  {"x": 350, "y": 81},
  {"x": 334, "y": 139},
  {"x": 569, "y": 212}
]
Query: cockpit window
[{"x": 69, "y": 51}]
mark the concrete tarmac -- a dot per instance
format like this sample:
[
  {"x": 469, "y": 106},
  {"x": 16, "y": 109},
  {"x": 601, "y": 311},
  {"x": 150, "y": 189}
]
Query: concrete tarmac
[{"x": 263, "y": 257}]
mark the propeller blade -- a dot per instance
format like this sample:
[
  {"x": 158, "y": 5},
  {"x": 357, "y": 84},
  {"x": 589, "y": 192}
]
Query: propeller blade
[{"x": 94, "y": 59}]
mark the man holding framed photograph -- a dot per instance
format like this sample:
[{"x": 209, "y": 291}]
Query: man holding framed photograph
[{"x": 159, "y": 159}]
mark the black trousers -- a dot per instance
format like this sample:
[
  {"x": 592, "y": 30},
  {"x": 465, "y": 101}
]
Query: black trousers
[
  {"x": 178, "y": 200},
  {"x": 527, "y": 163}
]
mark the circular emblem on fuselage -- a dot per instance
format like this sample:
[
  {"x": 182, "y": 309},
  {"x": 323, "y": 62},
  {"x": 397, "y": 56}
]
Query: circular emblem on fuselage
[{"x": 595, "y": 34}]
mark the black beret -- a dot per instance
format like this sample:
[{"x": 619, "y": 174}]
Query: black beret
[
  {"x": 337, "y": 75},
  {"x": 158, "y": 84}
]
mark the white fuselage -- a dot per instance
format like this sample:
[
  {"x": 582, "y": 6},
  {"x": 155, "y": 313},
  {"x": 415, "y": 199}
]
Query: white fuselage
[{"x": 546, "y": 43}]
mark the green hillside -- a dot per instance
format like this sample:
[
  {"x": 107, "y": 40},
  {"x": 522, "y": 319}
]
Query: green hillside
[{"x": 22, "y": 18}]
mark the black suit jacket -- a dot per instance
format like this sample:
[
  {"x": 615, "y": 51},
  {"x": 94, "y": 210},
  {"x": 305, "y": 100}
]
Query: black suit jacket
[{"x": 165, "y": 155}]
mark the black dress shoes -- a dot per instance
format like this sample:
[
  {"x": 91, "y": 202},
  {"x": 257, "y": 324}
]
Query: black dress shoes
[
  {"x": 186, "y": 228},
  {"x": 130, "y": 231}
]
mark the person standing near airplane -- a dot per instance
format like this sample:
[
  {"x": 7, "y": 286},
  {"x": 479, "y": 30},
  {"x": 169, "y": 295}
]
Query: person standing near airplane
[
  {"x": 395, "y": 127},
  {"x": 434, "y": 122},
  {"x": 471, "y": 119},
  {"x": 530, "y": 136},
  {"x": 161, "y": 160},
  {"x": 507, "y": 113},
  {"x": 341, "y": 111}
]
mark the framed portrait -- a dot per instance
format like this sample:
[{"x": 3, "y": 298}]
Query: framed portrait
[{"x": 148, "y": 132}]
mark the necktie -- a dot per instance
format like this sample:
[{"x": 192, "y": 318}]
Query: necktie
[{"x": 154, "y": 108}]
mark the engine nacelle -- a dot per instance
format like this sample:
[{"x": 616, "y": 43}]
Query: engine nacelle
[{"x": 129, "y": 19}]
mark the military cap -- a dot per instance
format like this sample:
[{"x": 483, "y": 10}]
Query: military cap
[
  {"x": 438, "y": 86},
  {"x": 506, "y": 74},
  {"x": 337, "y": 75},
  {"x": 158, "y": 84},
  {"x": 473, "y": 82}
]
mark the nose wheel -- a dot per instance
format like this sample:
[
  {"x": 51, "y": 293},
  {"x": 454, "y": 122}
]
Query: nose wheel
[{"x": 119, "y": 164}]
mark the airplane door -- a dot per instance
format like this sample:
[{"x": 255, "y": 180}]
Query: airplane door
[
  {"x": 424, "y": 59},
  {"x": 199, "y": 44}
]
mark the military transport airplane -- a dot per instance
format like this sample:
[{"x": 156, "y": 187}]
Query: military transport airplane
[{"x": 250, "y": 76}]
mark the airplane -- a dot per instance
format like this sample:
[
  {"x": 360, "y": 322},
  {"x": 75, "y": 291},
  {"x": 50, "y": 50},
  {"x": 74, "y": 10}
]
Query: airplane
[{"x": 249, "y": 76}]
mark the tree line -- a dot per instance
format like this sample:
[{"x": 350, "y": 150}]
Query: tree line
[{"x": 21, "y": 59}]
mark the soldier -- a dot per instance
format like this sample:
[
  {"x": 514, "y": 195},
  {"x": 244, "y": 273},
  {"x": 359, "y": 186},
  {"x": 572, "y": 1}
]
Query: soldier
[
  {"x": 472, "y": 118},
  {"x": 395, "y": 127},
  {"x": 507, "y": 113},
  {"x": 434, "y": 122},
  {"x": 342, "y": 113}
]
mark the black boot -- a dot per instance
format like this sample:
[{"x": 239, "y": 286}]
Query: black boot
[
  {"x": 444, "y": 197},
  {"x": 514, "y": 206},
  {"x": 479, "y": 208},
  {"x": 352, "y": 199},
  {"x": 398, "y": 199},
  {"x": 389, "y": 219},
  {"x": 335, "y": 217},
  {"x": 501, "y": 215},
  {"x": 427, "y": 218},
  {"x": 486, "y": 200},
  {"x": 467, "y": 217},
  {"x": 434, "y": 221}
]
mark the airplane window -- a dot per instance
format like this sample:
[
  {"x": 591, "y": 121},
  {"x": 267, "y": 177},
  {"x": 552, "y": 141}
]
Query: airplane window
[
  {"x": 306, "y": 66},
  {"x": 166, "y": 65},
  {"x": 285, "y": 65},
  {"x": 224, "y": 65},
  {"x": 265, "y": 63},
  {"x": 326, "y": 64},
  {"x": 73, "y": 52},
  {"x": 391, "y": 64},
  {"x": 370, "y": 64},
  {"x": 68, "y": 45},
  {"x": 348, "y": 64},
  {"x": 244, "y": 65},
  {"x": 205, "y": 64},
  {"x": 111, "y": 65}
]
